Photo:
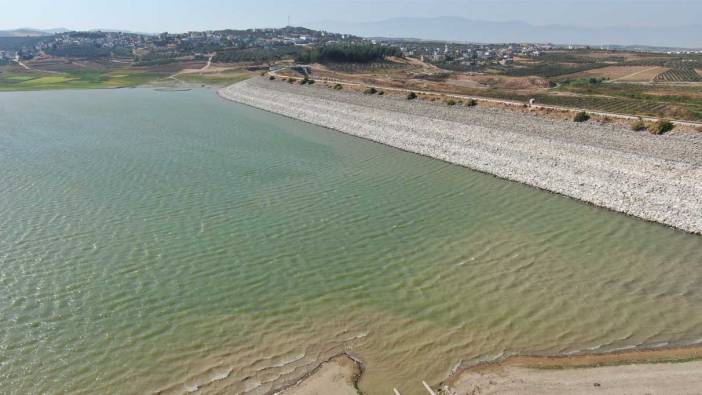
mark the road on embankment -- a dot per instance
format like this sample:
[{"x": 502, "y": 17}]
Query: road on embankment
[{"x": 493, "y": 100}]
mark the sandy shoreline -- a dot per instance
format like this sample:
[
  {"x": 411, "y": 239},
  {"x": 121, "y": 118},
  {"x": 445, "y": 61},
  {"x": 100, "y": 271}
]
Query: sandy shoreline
[
  {"x": 664, "y": 378},
  {"x": 659, "y": 371},
  {"x": 338, "y": 375},
  {"x": 656, "y": 178}
]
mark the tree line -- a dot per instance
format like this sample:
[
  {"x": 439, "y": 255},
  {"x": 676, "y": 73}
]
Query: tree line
[
  {"x": 80, "y": 51},
  {"x": 255, "y": 54},
  {"x": 347, "y": 53}
]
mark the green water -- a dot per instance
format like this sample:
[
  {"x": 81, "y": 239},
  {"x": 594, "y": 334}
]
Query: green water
[{"x": 172, "y": 240}]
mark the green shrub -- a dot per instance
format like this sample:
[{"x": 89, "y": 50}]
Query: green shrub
[
  {"x": 310, "y": 82},
  {"x": 291, "y": 80},
  {"x": 381, "y": 93},
  {"x": 471, "y": 103},
  {"x": 346, "y": 53},
  {"x": 271, "y": 78},
  {"x": 411, "y": 96},
  {"x": 338, "y": 87},
  {"x": 581, "y": 117},
  {"x": 450, "y": 102},
  {"x": 370, "y": 91},
  {"x": 638, "y": 125},
  {"x": 661, "y": 126}
]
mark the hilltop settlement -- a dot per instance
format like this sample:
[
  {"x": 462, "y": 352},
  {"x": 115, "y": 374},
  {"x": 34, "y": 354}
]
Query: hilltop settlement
[
  {"x": 646, "y": 82},
  {"x": 616, "y": 128}
]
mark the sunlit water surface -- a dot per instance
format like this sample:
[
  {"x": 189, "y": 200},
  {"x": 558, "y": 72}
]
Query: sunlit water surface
[{"x": 175, "y": 241}]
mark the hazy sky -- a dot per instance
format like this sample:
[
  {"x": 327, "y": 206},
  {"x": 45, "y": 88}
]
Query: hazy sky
[{"x": 183, "y": 15}]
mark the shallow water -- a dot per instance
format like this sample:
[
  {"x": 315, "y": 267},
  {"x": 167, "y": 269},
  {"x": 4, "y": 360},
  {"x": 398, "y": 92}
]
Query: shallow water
[{"x": 174, "y": 241}]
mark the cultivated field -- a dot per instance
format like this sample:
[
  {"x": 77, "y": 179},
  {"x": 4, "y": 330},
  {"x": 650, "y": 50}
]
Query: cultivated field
[
  {"x": 622, "y": 73},
  {"x": 618, "y": 88},
  {"x": 218, "y": 78},
  {"x": 630, "y": 83},
  {"x": 679, "y": 75},
  {"x": 60, "y": 73},
  {"x": 14, "y": 78}
]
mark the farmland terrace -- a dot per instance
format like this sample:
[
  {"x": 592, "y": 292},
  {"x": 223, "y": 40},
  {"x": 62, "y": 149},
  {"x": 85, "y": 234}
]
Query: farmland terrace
[
  {"x": 661, "y": 85},
  {"x": 638, "y": 84}
]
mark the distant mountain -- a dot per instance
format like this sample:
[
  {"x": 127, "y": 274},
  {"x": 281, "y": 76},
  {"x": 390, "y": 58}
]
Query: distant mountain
[
  {"x": 465, "y": 30},
  {"x": 28, "y": 32},
  {"x": 122, "y": 31}
]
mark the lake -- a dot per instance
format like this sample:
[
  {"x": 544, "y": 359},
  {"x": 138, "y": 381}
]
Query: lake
[{"x": 169, "y": 241}]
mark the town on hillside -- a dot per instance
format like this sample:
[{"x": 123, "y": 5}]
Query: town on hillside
[
  {"x": 272, "y": 43},
  {"x": 638, "y": 81}
]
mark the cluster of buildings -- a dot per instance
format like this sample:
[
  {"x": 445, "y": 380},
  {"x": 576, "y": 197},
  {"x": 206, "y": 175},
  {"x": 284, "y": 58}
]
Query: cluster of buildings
[
  {"x": 8, "y": 56},
  {"x": 170, "y": 45},
  {"x": 261, "y": 38},
  {"x": 154, "y": 48},
  {"x": 179, "y": 44},
  {"x": 471, "y": 54},
  {"x": 98, "y": 39},
  {"x": 126, "y": 42}
]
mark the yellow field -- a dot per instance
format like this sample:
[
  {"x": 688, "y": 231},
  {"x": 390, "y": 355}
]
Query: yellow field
[
  {"x": 54, "y": 79},
  {"x": 13, "y": 78},
  {"x": 622, "y": 73},
  {"x": 19, "y": 78}
]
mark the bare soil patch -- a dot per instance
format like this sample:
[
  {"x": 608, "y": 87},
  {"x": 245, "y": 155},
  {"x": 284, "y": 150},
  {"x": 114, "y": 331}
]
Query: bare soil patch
[
  {"x": 337, "y": 376},
  {"x": 650, "y": 371},
  {"x": 622, "y": 73}
]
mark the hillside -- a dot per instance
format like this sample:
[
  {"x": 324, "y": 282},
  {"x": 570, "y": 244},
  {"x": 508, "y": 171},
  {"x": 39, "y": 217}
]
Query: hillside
[{"x": 466, "y": 30}]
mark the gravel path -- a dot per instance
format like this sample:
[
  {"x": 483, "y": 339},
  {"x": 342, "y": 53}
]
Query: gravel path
[{"x": 657, "y": 178}]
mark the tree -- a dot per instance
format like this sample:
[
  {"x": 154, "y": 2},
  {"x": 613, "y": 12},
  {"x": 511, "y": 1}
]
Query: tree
[
  {"x": 581, "y": 117},
  {"x": 347, "y": 53}
]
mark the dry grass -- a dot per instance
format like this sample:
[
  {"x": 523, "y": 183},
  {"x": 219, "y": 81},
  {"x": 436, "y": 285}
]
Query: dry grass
[
  {"x": 601, "y": 54},
  {"x": 499, "y": 81},
  {"x": 638, "y": 125},
  {"x": 622, "y": 73},
  {"x": 216, "y": 79},
  {"x": 62, "y": 65},
  {"x": 662, "y": 126}
]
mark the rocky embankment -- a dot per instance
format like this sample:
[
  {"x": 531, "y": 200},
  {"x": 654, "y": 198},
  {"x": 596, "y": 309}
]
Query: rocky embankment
[{"x": 657, "y": 178}]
